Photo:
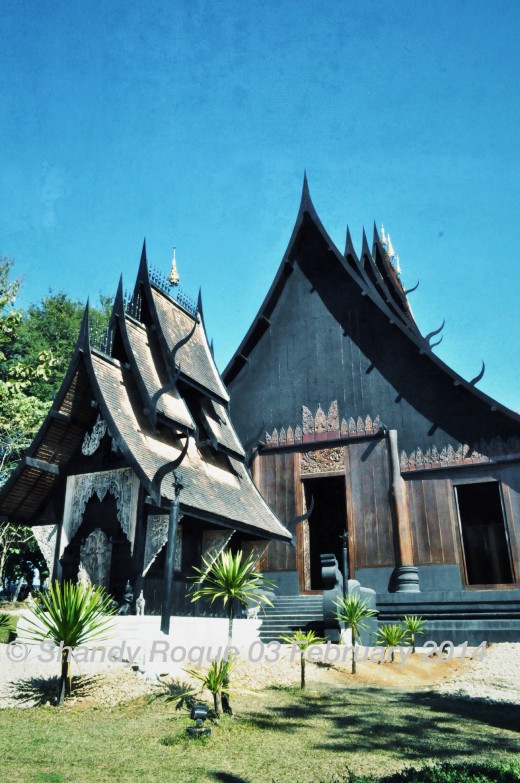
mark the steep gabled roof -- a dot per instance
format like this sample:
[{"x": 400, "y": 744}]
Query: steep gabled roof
[
  {"x": 375, "y": 279},
  {"x": 122, "y": 382},
  {"x": 172, "y": 322}
]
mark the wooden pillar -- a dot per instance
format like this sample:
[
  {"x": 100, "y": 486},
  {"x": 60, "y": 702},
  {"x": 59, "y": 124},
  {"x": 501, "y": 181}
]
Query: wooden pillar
[{"x": 406, "y": 573}]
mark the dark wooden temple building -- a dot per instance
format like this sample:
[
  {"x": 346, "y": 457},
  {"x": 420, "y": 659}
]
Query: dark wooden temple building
[
  {"x": 338, "y": 397},
  {"x": 127, "y": 410}
]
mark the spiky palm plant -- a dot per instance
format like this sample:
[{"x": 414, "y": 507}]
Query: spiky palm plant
[
  {"x": 216, "y": 680},
  {"x": 415, "y": 626},
  {"x": 304, "y": 640},
  {"x": 230, "y": 578},
  {"x": 6, "y": 626},
  {"x": 354, "y": 612},
  {"x": 5, "y": 620},
  {"x": 391, "y": 635},
  {"x": 72, "y": 615}
]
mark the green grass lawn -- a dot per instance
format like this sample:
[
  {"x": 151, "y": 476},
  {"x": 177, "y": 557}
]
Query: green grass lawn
[{"x": 278, "y": 736}]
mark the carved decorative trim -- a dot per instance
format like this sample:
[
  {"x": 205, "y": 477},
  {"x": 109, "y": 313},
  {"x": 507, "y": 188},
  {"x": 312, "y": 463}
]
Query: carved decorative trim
[
  {"x": 123, "y": 484},
  {"x": 213, "y": 542},
  {"x": 46, "y": 537},
  {"x": 459, "y": 455},
  {"x": 306, "y": 546},
  {"x": 322, "y": 427},
  {"x": 91, "y": 442},
  {"x": 322, "y": 461},
  {"x": 255, "y": 548},
  {"x": 156, "y": 538}
]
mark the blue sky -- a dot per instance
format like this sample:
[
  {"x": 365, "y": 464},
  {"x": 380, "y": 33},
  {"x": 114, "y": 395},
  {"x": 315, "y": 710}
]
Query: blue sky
[{"x": 192, "y": 123}]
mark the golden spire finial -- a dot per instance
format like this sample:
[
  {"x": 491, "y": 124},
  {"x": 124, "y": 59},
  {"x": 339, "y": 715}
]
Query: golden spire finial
[
  {"x": 389, "y": 249},
  {"x": 383, "y": 238},
  {"x": 174, "y": 275}
]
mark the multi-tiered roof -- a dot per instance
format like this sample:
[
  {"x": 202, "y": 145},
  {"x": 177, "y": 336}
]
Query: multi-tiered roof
[{"x": 153, "y": 382}]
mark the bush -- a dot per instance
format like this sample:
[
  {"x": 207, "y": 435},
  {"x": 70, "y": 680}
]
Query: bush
[
  {"x": 448, "y": 773},
  {"x": 455, "y": 773}
]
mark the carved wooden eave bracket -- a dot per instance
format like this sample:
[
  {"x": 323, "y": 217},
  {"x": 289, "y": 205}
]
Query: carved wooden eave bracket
[{"x": 323, "y": 427}]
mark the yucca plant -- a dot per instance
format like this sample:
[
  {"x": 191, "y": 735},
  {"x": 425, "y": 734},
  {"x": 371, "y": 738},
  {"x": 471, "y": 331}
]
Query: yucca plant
[
  {"x": 216, "y": 680},
  {"x": 354, "y": 612},
  {"x": 304, "y": 640},
  {"x": 391, "y": 635},
  {"x": 415, "y": 626},
  {"x": 228, "y": 578},
  {"x": 70, "y": 614}
]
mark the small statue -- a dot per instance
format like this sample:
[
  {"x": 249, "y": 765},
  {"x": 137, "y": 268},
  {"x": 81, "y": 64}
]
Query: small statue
[
  {"x": 139, "y": 604},
  {"x": 127, "y": 600},
  {"x": 83, "y": 577}
]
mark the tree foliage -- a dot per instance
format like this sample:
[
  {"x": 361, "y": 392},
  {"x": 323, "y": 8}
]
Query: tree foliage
[{"x": 35, "y": 349}]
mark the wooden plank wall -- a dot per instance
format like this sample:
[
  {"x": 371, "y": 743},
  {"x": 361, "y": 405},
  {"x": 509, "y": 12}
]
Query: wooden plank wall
[
  {"x": 277, "y": 476},
  {"x": 370, "y": 519},
  {"x": 434, "y": 521}
]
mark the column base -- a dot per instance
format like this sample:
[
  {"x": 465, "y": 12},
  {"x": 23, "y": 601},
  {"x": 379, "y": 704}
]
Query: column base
[{"x": 407, "y": 579}]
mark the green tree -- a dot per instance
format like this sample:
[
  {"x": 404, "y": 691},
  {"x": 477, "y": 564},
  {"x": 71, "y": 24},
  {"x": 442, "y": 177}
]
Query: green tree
[
  {"x": 216, "y": 681},
  {"x": 303, "y": 640},
  {"x": 72, "y": 615},
  {"x": 229, "y": 579},
  {"x": 391, "y": 635},
  {"x": 415, "y": 626},
  {"x": 51, "y": 328},
  {"x": 354, "y": 612}
]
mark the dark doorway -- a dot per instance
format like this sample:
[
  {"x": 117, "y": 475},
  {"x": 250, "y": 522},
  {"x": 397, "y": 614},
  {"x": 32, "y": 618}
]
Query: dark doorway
[
  {"x": 486, "y": 550},
  {"x": 326, "y": 523},
  {"x": 103, "y": 516}
]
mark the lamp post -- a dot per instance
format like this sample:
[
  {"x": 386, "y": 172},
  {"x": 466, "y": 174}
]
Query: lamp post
[
  {"x": 344, "y": 551},
  {"x": 173, "y": 521}
]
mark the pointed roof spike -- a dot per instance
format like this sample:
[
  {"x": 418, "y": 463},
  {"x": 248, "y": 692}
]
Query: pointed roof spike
[
  {"x": 200, "y": 311},
  {"x": 397, "y": 265},
  {"x": 349, "y": 245},
  {"x": 377, "y": 240},
  {"x": 306, "y": 204},
  {"x": 383, "y": 237},
  {"x": 143, "y": 252},
  {"x": 365, "y": 249},
  {"x": 84, "y": 330},
  {"x": 390, "y": 250}
]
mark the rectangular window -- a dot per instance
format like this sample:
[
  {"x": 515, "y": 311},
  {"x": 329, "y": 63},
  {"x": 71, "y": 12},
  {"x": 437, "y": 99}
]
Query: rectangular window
[{"x": 484, "y": 537}]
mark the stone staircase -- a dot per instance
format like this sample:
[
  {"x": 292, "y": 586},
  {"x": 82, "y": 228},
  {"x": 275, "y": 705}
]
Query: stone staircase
[{"x": 289, "y": 613}]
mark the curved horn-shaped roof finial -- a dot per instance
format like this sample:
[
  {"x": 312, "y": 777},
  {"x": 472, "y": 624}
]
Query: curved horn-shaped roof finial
[
  {"x": 411, "y": 290},
  {"x": 435, "y": 332},
  {"x": 478, "y": 377}
]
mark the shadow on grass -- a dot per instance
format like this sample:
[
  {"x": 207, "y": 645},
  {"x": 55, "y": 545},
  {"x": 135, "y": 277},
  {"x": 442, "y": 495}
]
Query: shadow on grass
[
  {"x": 227, "y": 777},
  {"x": 35, "y": 691},
  {"x": 409, "y": 725}
]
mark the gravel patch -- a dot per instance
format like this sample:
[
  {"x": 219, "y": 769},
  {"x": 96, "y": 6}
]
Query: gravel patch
[
  {"x": 31, "y": 682},
  {"x": 495, "y": 679}
]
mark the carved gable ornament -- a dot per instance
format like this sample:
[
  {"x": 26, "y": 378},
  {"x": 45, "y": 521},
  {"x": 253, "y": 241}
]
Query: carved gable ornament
[
  {"x": 122, "y": 484},
  {"x": 322, "y": 427},
  {"x": 92, "y": 441}
]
